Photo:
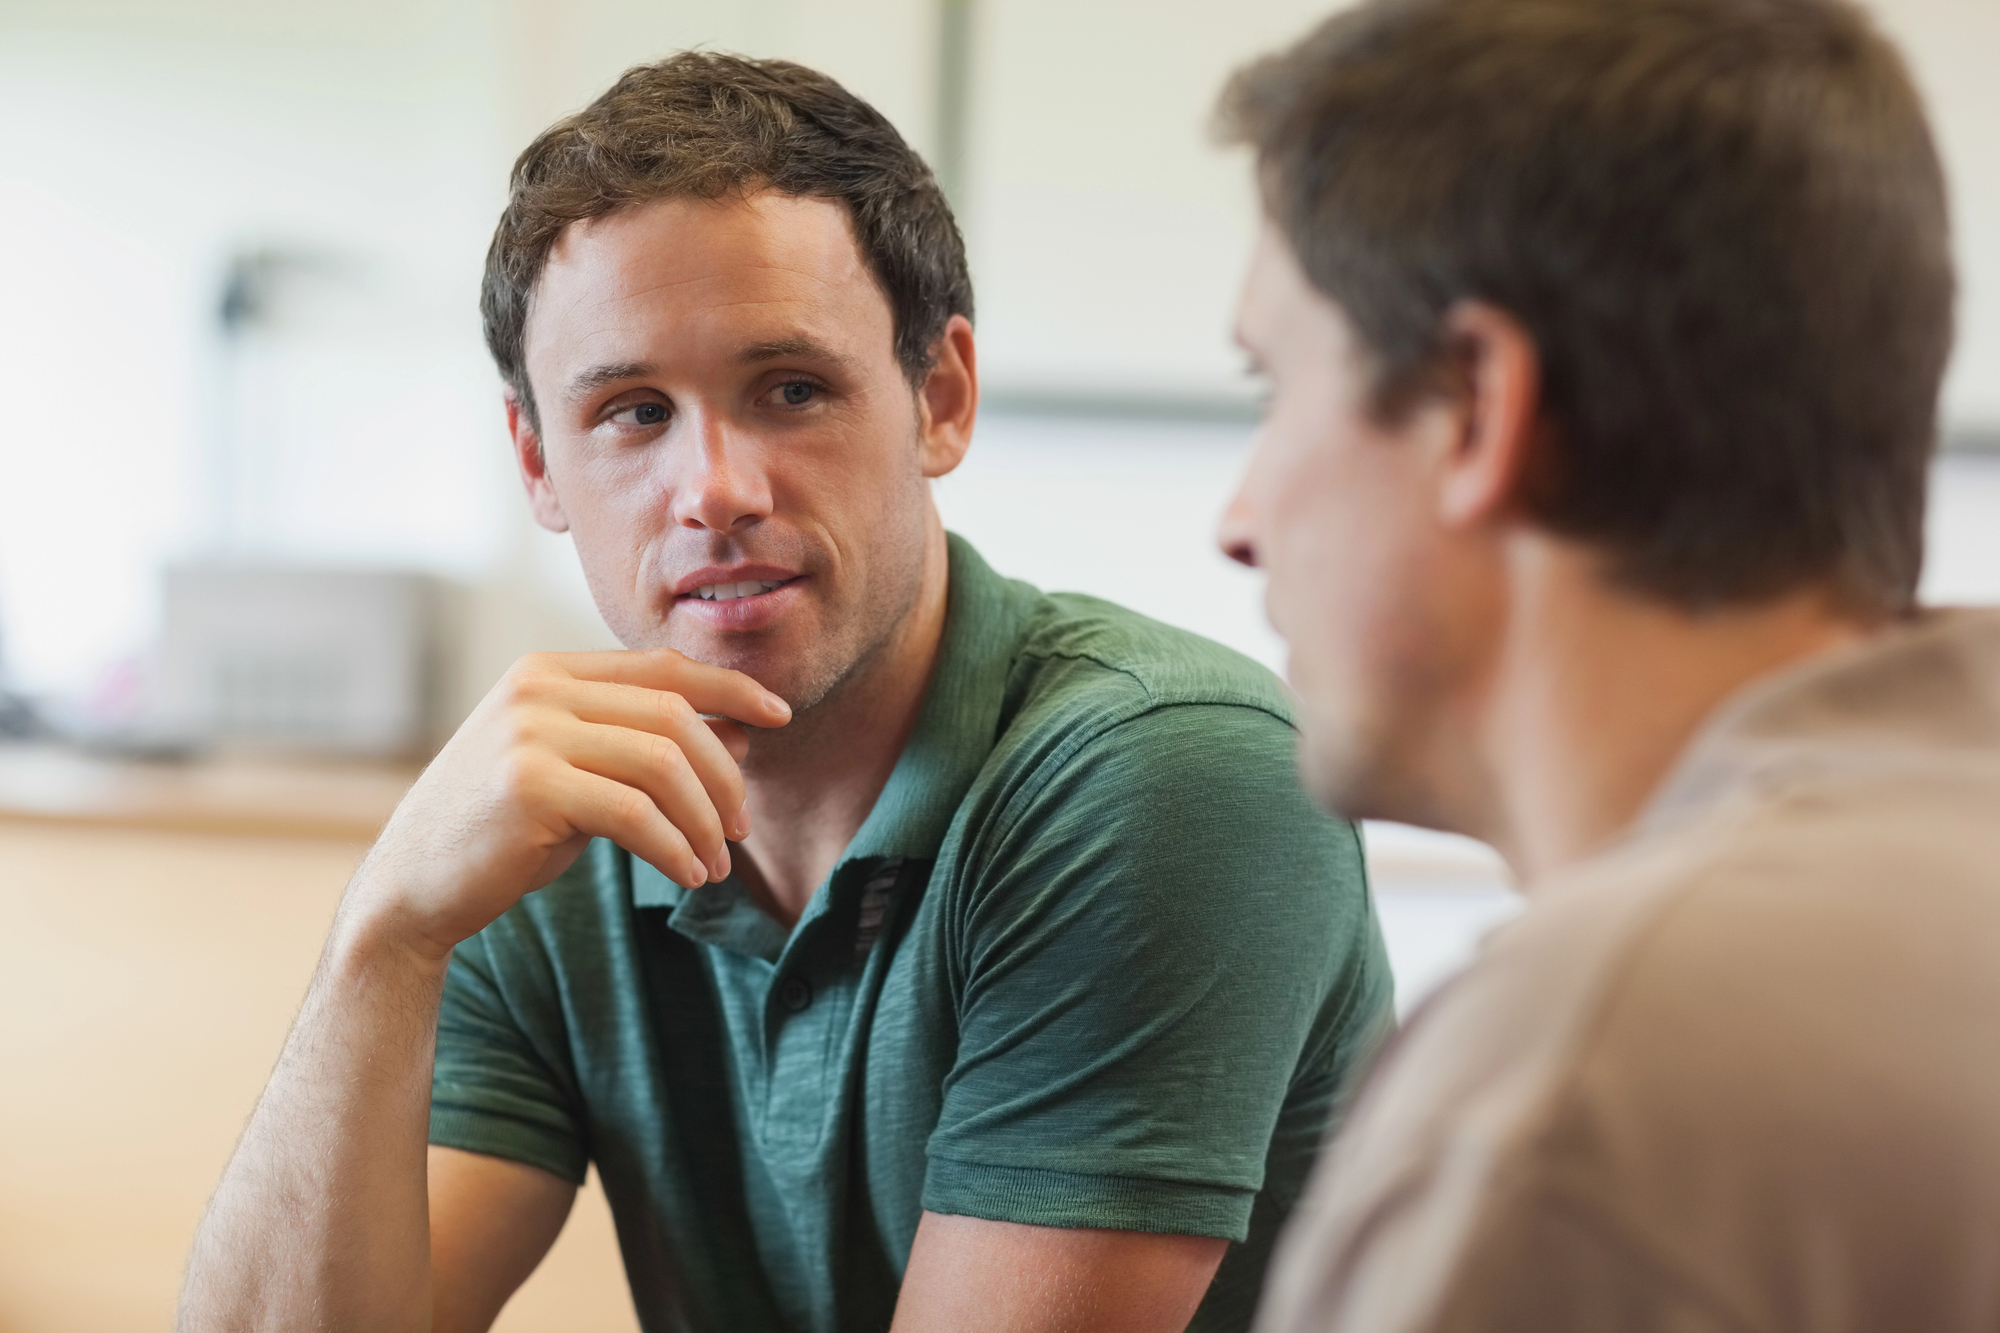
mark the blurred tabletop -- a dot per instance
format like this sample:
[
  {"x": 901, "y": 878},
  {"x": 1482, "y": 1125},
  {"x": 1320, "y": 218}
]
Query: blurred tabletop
[
  {"x": 162, "y": 922},
  {"x": 244, "y": 794}
]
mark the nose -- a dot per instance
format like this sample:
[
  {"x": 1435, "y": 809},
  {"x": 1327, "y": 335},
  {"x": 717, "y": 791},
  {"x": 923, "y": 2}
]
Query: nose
[
  {"x": 1233, "y": 533},
  {"x": 721, "y": 483}
]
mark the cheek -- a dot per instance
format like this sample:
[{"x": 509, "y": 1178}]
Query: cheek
[{"x": 1346, "y": 539}]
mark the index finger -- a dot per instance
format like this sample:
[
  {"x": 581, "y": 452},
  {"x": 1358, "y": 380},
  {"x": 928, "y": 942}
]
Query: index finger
[{"x": 715, "y": 690}]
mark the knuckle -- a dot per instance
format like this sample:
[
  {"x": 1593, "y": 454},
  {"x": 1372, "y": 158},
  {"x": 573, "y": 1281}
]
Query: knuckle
[
  {"x": 630, "y": 806},
  {"x": 526, "y": 680},
  {"x": 675, "y": 711},
  {"x": 662, "y": 752},
  {"x": 523, "y": 729},
  {"x": 523, "y": 773}
]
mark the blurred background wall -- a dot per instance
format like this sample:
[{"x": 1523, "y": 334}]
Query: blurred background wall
[
  {"x": 240, "y": 244},
  {"x": 330, "y": 174}
]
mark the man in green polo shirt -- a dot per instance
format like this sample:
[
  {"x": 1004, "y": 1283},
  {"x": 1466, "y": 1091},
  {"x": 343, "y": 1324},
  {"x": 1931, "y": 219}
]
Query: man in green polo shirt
[{"x": 1031, "y": 979}]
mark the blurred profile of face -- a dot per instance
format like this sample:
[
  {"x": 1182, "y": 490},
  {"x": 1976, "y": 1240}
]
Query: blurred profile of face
[
  {"x": 1339, "y": 509},
  {"x": 728, "y": 436}
]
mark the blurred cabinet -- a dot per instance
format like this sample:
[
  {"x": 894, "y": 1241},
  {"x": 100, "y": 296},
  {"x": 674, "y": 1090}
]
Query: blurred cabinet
[{"x": 147, "y": 978}]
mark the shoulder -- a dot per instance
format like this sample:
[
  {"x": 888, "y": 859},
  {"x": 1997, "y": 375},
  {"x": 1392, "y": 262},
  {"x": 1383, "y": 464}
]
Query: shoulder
[
  {"x": 1144, "y": 770},
  {"x": 1700, "y": 1041},
  {"x": 1088, "y": 654},
  {"x": 1090, "y": 682},
  {"x": 1816, "y": 1001},
  {"x": 1117, "y": 722}
]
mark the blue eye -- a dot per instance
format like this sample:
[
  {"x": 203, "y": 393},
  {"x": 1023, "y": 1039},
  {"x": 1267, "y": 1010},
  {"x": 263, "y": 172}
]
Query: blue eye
[
  {"x": 641, "y": 414},
  {"x": 797, "y": 393}
]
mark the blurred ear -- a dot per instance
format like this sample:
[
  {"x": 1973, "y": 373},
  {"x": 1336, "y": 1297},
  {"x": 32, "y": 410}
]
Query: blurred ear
[
  {"x": 1496, "y": 376},
  {"x": 949, "y": 400},
  {"x": 534, "y": 465}
]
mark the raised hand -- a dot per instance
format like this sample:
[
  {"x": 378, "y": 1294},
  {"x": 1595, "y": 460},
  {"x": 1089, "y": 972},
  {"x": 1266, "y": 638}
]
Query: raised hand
[{"x": 567, "y": 747}]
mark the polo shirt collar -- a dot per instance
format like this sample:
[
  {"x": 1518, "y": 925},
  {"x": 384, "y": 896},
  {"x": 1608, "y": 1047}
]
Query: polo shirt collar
[{"x": 955, "y": 732}]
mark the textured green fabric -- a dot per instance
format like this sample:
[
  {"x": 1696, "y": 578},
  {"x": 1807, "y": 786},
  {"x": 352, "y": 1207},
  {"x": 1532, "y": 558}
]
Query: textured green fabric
[{"x": 1093, "y": 960}]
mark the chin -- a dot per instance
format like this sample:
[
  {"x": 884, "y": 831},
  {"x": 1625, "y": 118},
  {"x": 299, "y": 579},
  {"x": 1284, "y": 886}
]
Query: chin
[
  {"x": 1348, "y": 763},
  {"x": 802, "y": 674},
  {"x": 1329, "y": 770}
]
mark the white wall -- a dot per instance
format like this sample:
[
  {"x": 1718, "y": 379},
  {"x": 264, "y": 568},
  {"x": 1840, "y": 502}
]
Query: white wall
[
  {"x": 1108, "y": 232},
  {"x": 1952, "y": 47},
  {"x": 140, "y": 140}
]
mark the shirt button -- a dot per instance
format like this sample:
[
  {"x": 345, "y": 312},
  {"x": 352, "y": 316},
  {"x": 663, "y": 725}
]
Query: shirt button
[{"x": 795, "y": 993}]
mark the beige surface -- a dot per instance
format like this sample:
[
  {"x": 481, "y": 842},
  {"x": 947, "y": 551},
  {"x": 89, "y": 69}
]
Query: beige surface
[
  {"x": 146, "y": 981},
  {"x": 244, "y": 794}
]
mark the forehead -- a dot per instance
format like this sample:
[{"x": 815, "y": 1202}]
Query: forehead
[{"x": 730, "y": 268}]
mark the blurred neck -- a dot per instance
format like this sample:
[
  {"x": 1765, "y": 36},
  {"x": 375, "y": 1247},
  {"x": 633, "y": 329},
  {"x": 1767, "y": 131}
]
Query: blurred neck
[{"x": 1595, "y": 692}]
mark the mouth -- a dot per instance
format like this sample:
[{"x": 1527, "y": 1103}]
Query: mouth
[
  {"x": 740, "y": 597},
  {"x": 732, "y": 592}
]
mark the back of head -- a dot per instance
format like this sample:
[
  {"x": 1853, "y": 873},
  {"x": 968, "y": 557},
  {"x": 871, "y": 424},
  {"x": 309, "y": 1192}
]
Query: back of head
[
  {"x": 1723, "y": 222},
  {"x": 704, "y": 125}
]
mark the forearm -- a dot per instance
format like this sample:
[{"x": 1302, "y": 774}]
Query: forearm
[{"x": 322, "y": 1216}]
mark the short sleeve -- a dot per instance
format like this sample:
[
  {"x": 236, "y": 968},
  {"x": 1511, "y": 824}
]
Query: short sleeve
[
  {"x": 1162, "y": 946},
  {"x": 500, "y": 1085}
]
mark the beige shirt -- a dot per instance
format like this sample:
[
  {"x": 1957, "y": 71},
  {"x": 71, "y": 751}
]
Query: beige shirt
[{"x": 1740, "y": 1072}]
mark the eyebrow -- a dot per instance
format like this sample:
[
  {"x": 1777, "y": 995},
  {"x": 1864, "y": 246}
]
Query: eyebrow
[
  {"x": 588, "y": 382},
  {"x": 784, "y": 348}
]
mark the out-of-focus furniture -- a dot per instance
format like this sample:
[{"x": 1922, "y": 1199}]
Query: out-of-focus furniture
[{"x": 157, "y": 928}]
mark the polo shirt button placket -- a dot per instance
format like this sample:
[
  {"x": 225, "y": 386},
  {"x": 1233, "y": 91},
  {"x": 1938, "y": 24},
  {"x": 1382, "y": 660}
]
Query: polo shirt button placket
[{"x": 795, "y": 994}]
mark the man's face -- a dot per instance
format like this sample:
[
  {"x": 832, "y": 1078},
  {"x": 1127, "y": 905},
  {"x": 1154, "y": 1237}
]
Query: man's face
[
  {"x": 1381, "y": 612},
  {"x": 728, "y": 436}
]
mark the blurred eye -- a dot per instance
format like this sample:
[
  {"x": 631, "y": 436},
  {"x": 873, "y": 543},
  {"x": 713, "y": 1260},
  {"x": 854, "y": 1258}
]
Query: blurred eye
[
  {"x": 641, "y": 414},
  {"x": 795, "y": 393}
]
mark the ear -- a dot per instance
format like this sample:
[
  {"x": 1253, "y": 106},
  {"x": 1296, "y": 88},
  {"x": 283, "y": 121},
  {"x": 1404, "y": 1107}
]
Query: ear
[
  {"x": 1497, "y": 374},
  {"x": 534, "y": 465},
  {"x": 949, "y": 400}
]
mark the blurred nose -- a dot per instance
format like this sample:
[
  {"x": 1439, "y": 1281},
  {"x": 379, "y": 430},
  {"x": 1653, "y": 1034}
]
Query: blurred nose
[
  {"x": 721, "y": 483},
  {"x": 1233, "y": 534}
]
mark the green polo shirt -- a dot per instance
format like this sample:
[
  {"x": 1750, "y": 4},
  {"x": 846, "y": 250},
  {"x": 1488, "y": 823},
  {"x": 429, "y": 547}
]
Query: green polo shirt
[{"x": 1093, "y": 960}]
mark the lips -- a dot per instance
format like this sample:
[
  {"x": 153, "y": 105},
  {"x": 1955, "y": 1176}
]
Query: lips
[
  {"x": 730, "y": 582},
  {"x": 737, "y": 598},
  {"x": 729, "y": 592}
]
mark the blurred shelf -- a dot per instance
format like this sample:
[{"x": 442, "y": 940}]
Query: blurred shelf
[{"x": 47, "y": 784}]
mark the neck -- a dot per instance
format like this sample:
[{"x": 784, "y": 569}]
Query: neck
[
  {"x": 810, "y": 786},
  {"x": 1596, "y": 692}
]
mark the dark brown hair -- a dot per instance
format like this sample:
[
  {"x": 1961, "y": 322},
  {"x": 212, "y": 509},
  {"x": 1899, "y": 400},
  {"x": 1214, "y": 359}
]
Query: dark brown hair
[
  {"x": 1723, "y": 223},
  {"x": 703, "y": 125}
]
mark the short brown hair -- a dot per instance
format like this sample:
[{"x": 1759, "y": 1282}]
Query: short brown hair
[
  {"x": 700, "y": 124},
  {"x": 1722, "y": 221}
]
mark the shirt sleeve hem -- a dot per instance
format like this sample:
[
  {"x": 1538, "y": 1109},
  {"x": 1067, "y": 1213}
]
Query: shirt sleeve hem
[
  {"x": 1063, "y": 1199},
  {"x": 494, "y": 1136}
]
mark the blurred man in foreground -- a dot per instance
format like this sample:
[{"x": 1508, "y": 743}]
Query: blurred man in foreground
[
  {"x": 976, "y": 1026},
  {"x": 1604, "y": 342}
]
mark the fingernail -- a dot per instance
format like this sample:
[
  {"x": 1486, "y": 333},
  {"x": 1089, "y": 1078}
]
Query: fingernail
[
  {"x": 742, "y": 829},
  {"x": 720, "y": 870},
  {"x": 700, "y": 877},
  {"x": 778, "y": 703}
]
